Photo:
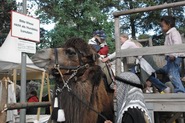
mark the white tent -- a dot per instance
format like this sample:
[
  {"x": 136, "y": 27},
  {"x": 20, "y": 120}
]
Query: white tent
[
  {"x": 10, "y": 56},
  {"x": 10, "y": 65}
]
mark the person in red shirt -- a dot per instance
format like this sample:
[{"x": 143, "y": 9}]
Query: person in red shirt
[
  {"x": 32, "y": 98},
  {"x": 99, "y": 43},
  {"x": 104, "y": 50}
]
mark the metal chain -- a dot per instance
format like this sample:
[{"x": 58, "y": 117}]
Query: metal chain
[
  {"x": 73, "y": 75},
  {"x": 70, "y": 90}
]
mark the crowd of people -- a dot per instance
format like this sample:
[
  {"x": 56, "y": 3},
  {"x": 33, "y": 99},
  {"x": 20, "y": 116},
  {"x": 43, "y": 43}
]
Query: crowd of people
[{"x": 148, "y": 68}]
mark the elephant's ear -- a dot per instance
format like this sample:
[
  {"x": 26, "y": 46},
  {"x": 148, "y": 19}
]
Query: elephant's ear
[{"x": 94, "y": 74}]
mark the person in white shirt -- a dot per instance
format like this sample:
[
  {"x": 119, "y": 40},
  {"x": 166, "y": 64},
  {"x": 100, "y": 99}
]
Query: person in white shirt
[
  {"x": 173, "y": 60},
  {"x": 126, "y": 43}
]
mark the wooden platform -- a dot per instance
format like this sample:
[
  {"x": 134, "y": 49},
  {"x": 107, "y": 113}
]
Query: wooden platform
[
  {"x": 174, "y": 102},
  {"x": 32, "y": 119}
]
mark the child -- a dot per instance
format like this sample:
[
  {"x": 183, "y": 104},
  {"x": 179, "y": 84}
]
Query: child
[
  {"x": 148, "y": 88},
  {"x": 99, "y": 43},
  {"x": 173, "y": 60}
]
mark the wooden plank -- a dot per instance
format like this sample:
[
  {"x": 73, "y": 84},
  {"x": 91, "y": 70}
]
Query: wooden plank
[
  {"x": 150, "y": 8},
  {"x": 176, "y": 116},
  {"x": 142, "y": 40},
  {"x": 4, "y": 100},
  {"x": 41, "y": 92},
  {"x": 15, "y": 79},
  {"x": 151, "y": 50},
  {"x": 49, "y": 95},
  {"x": 118, "y": 61},
  {"x": 165, "y": 96},
  {"x": 168, "y": 106},
  {"x": 150, "y": 108},
  {"x": 30, "y": 76},
  {"x": 12, "y": 106},
  {"x": 165, "y": 102},
  {"x": 118, "y": 45},
  {"x": 125, "y": 64},
  {"x": 150, "y": 42},
  {"x": 151, "y": 114}
]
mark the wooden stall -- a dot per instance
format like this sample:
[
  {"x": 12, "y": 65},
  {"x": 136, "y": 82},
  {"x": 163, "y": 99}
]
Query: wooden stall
[
  {"x": 156, "y": 102},
  {"x": 10, "y": 66}
]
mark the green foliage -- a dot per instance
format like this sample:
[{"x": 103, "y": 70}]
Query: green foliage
[
  {"x": 75, "y": 18},
  {"x": 79, "y": 18},
  {"x": 44, "y": 39},
  {"x": 5, "y": 17},
  {"x": 144, "y": 36},
  {"x": 143, "y": 22}
]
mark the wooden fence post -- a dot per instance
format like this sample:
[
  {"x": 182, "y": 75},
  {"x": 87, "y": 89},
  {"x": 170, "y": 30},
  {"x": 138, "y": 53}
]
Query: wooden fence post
[
  {"x": 118, "y": 61},
  {"x": 41, "y": 93},
  {"x": 49, "y": 95},
  {"x": 4, "y": 100},
  {"x": 15, "y": 79},
  {"x": 150, "y": 42}
]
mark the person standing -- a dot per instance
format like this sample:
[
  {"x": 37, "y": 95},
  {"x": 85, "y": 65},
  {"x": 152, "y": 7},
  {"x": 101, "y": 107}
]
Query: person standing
[
  {"x": 126, "y": 43},
  {"x": 32, "y": 98},
  {"x": 172, "y": 67}
]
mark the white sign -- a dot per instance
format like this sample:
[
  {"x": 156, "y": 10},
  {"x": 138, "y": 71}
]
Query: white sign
[
  {"x": 25, "y": 27},
  {"x": 26, "y": 46}
]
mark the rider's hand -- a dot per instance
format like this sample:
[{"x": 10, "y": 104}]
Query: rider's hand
[{"x": 105, "y": 59}]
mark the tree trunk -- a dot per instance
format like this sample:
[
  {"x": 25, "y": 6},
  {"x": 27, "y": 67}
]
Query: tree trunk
[
  {"x": 170, "y": 12},
  {"x": 132, "y": 22},
  {"x": 133, "y": 29}
]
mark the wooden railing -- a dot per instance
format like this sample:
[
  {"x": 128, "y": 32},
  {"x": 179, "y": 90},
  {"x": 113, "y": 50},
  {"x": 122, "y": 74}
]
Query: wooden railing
[
  {"x": 146, "y": 50},
  {"x": 142, "y": 51}
]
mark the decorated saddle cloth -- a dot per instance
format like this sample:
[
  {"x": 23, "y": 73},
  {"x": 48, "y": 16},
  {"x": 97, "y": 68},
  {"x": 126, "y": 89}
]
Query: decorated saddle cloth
[
  {"x": 106, "y": 68},
  {"x": 131, "y": 106}
]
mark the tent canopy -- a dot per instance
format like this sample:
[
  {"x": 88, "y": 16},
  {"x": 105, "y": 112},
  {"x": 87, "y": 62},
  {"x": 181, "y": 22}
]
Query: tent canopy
[
  {"x": 10, "y": 56},
  {"x": 10, "y": 59}
]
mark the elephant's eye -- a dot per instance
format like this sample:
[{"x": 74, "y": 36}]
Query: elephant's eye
[{"x": 70, "y": 52}]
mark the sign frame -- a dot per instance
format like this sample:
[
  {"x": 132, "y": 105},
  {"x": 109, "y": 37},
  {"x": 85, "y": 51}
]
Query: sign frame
[
  {"x": 26, "y": 46},
  {"x": 21, "y": 34}
]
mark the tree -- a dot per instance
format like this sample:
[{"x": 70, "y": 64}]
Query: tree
[
  {"x": 143, "y": 22},
  {"x": 75, "y": 18},
  {"x": 79, "y": 18},
  {"x": 5, "y": 17},
  {"x": 44, "y": 39}
]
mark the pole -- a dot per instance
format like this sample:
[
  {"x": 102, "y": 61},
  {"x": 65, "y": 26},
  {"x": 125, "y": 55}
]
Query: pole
[
  {"x": 4, "y": 100},
  {"x": 41, "y": 93},
  {"x": 150, "y": 8},
  {"x": 118, "y": 45},
  {"x": 15, "y": 79},
  {"x": 118, "y": 61},
  {"x": 23, "y": 88},
  {"x": 49, "y": 95},
  {"x": 23, "y": 77},
  {"x": 13, "y": 106}
]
